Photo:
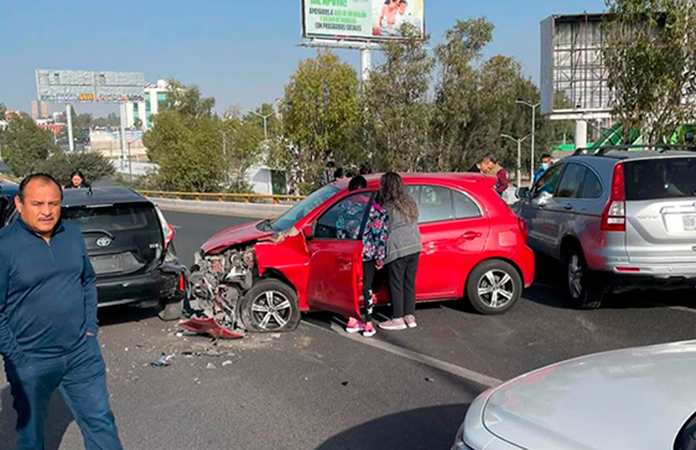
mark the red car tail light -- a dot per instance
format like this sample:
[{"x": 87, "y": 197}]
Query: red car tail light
[
  {"x": 614, "y": 216},
  {"x": 523, "y": 228}
]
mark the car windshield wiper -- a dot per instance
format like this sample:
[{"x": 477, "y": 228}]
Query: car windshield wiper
[{"x": 265, "y": 225}]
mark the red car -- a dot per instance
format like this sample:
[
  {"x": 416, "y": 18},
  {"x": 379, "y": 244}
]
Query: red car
[{"x": 264, "y": 274}]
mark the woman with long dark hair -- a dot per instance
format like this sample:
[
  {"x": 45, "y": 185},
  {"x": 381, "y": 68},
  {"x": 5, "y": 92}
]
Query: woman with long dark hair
[
  {"x": 77, "y": 181},
  {"x": 403, "y": 250}
]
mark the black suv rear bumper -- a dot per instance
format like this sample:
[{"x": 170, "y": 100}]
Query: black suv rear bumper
[
  {"x": 160, "y": 286},
  {"x": 619, "y": 283}
]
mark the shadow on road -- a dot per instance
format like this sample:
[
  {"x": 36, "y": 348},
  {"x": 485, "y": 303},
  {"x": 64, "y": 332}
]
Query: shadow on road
[
  {"x": 122, "y": 314},
  {"x": 426, "y": 428},
  {"x": 58, "y": 420}
]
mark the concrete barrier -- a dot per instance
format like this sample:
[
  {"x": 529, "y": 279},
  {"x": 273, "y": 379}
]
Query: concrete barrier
[{"x": 237, "y": 209}]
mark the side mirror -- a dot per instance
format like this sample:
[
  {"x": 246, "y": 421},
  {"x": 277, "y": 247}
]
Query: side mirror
[
  {"x": 308, "y": 232},
  {"x": 524, "y": 193}
]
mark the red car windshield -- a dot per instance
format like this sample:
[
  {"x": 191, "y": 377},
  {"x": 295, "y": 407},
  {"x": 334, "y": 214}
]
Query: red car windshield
[{"x": 299, "y": 211}]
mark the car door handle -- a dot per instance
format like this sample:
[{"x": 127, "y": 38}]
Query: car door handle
[
  {"x": 471, "y": 235},
  {"x": 568, "y": 207}
]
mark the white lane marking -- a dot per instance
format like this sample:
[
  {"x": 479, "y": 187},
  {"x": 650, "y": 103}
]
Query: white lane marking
[{"x": 435, "y": 363}]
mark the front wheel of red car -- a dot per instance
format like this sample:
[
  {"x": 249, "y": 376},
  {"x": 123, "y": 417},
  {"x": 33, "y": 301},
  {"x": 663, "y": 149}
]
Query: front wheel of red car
[
  {"x": 494, "y": 287},
  {"x": 270, "y": 306}
]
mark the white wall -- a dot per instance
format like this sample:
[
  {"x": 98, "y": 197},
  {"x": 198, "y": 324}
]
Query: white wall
[{"x": 260, "y": 179}]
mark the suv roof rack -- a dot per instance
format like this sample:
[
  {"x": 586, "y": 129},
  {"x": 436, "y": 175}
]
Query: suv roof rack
[{"x": 661, "y": 148}]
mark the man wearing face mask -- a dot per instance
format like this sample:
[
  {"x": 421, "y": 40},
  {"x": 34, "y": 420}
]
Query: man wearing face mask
[{"x": 546, "y": 161}]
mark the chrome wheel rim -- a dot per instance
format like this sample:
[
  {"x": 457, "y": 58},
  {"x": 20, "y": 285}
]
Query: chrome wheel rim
[
  {"x": 271, "y": 310},
  {"x": 575, "y": 276},
  {"x": 496, "y": 289}
]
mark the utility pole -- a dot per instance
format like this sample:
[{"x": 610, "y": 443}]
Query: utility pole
[
  {"x": 534, "y": 107},
  {"x": 68, "y": 114},
  {"x": 265, "y": 123},
  {"x": 519, "y": 154}
]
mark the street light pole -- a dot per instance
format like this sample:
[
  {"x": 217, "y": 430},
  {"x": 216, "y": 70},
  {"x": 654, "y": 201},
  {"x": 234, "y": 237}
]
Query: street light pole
[
  {"x": 534, "y": 107},
  {"x": 265, "y": 125},
  {"x": 519, "y": 155}
]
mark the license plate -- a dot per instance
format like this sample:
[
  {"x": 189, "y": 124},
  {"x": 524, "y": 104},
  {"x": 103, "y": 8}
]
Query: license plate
[
  {"x": 106, "y": 264},
  {"x": 689, "y": 223}
]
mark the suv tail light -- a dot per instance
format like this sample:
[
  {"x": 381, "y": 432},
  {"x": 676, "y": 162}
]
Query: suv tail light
[
  {"x": 167, "y": 230},
  {"x": 523, "y": 228},
  {"x": 614, "y": 217}
]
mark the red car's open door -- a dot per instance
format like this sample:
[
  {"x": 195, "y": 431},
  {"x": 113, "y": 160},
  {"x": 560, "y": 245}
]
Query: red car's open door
[{"x": 335, "y": 256}]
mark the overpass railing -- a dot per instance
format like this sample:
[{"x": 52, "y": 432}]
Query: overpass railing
[{"x": 223, "y": 197}]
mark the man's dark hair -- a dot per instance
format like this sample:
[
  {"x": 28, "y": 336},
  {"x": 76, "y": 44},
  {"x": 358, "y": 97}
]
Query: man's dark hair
[
  {"x": 365, "y": 168},
  {"x": 358, "y": 182},
  {"x": 339, "y": 173},
  {"x": 544, "y": 156},
  {"x": 330, "y": 164},
  {"x": 489, "y": 157},
  {"x": 44, "y": 177}
]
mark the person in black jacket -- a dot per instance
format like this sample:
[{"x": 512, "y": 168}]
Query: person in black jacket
[{"x": 77, "y": 181}]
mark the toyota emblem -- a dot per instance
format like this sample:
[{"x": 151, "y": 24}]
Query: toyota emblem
[{"x": 104, "y": 241}]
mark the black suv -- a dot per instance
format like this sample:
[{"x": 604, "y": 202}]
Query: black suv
[
  {"x": 7, "y": 194},
  {"x": 130, "y": 245}
]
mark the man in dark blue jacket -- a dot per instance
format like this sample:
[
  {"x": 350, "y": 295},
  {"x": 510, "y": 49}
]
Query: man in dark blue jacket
[{"x": 48, "y": 320}]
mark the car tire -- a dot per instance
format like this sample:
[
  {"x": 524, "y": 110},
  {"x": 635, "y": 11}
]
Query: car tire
[
  {"x": 489, "y": 282},
  {"x": 270, "y": 306},
  {"x": 169, "y": 312},
  {"x": 581, "y": 289}
]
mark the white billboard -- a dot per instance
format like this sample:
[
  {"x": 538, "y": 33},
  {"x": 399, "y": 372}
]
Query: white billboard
[
  {"x": 361, "y": 20},
  {"x": 74, "y": 86},
  {"x": 572, "y": 63}
]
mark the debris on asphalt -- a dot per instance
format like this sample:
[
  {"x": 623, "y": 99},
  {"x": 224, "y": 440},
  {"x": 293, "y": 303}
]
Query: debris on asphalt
[
  {"x": 179, "y": 334},
  {"x": 210, "y": 366},
  {"x": 276, "y": 335},
  {"x": 226, "y": 363},
  {"x": 210, "y": 327},
  {"x": 344, "y": 383},
  {"x": 163, "y": 361},
  {"x": 429, "y": 380},
  {"x": 197, "y": 380}
]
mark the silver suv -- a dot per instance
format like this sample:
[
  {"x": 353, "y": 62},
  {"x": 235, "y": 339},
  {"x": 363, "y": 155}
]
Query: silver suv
[{"x": 618, "y": 220}]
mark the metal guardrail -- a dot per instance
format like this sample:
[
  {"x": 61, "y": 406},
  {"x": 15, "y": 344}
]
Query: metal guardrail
[{"x": 222, "y": 196}]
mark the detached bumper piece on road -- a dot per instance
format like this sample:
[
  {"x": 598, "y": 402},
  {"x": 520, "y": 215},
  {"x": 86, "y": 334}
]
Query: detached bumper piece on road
[{"x": 210, "y": 327}]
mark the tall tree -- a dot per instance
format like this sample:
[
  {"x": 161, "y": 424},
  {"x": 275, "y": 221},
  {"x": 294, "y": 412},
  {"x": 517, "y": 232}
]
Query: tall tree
[
  {"x": 396, "y": 101},
  {"x": 186, "y": 142},
  {"x": 320, "y": 117},
  {"x": 651, "y": 63},
  {"x": 25, "y": 145}
]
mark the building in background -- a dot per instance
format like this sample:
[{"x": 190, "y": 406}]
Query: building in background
[
  {"x": 40, "y": 110},
  {"x": 140, "y": 113}
]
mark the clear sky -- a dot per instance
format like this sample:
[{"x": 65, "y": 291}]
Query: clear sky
[{"x": 242, "y": 52}]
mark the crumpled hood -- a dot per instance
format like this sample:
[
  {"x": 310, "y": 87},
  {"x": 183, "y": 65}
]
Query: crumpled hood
[
  {"x": 247, "y": 232},
  {"x": 636, "y": 399}
]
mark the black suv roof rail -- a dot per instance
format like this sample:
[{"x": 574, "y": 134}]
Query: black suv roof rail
[{"x": 661, "y": 148}]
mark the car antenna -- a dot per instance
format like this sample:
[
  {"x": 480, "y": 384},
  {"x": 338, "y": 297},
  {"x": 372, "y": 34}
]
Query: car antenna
[{"x": 89, "y": 191}]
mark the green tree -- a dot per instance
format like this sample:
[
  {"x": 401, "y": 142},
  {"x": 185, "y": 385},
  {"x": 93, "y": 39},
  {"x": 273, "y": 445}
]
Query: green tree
[
  {"x": 320, "y": 117},
  {"x": 3, "y": 109},
  {"x": 186, "y": 142},
  {"x": 93, "y": 165},
  {"x": 25, "y": 145},
  {"x": 652, "y": 65},
  {"x": 396, "y": 103},
  {"x": 242, "y": 147}
]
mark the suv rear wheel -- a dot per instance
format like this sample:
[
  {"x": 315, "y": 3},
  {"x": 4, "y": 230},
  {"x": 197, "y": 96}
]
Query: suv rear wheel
[
  {"x": 270, "y": 306},
  {"x": 170, "y": 311},
  {"x": 494, "y": 287},
  {"x": 581, "y": 290}
]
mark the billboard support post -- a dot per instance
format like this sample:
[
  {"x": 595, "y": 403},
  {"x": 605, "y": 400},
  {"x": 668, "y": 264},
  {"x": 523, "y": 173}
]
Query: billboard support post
[
  {"x": 124, "y": 147},
  {"x": 68, "y": 115},
  {"x": 366, "y": 66},
  {"x": 580, "y": 134}
]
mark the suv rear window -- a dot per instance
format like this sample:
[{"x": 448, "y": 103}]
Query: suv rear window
[
  {"x": 113, "y": 218},
  {"x": 657, "y": 179}
]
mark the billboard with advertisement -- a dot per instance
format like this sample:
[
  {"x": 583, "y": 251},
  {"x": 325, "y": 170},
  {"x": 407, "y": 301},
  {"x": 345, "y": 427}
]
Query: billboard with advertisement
[
  {"x": 79, "y": 86},
  {"x": 360, "y": 20}
]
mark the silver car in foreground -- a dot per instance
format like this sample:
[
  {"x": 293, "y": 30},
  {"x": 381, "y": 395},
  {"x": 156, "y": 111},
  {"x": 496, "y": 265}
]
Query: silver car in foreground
[
  {"x": 618, "y": 220},
  {"x": 638, "y": 399}
]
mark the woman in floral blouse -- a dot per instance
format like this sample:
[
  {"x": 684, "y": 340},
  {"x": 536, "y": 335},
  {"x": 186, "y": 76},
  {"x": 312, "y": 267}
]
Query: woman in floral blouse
[{"x": 373, "y": 256}]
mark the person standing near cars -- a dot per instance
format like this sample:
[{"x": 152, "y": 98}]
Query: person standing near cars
[
  {"x": 485, "y": 165},
  {"x": 77, "y": 181},
  {"x": 546, "y": 161},
  {"x": 403, "y": 251},
  {"x": 48, "y": 320},
  {"x": 373, "y": 255},
  {"x": 327, "y": 177}
]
